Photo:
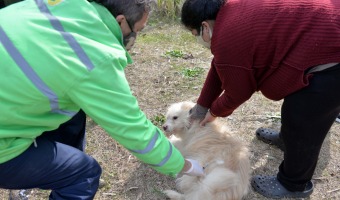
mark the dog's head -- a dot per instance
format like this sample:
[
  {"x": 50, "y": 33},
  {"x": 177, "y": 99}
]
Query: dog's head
[{"x": 177, "y": 118}]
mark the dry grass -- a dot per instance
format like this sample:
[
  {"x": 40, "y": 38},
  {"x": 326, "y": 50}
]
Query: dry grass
[{"x": 157, "y": 81}]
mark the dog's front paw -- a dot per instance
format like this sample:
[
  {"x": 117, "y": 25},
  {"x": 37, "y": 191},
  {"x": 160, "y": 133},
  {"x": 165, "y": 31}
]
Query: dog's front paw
[{"x": 173, "y": 195}]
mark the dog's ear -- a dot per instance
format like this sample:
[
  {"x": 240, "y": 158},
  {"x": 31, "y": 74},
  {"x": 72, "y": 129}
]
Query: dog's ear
[{"x": 187, "y": 105}]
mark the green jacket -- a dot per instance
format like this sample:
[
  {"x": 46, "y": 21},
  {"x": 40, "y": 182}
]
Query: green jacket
[{"x": 59, "y": 56}]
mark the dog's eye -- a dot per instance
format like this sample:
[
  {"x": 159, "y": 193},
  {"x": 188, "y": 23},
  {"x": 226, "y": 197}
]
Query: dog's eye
[{"x": 174, "y": 118}]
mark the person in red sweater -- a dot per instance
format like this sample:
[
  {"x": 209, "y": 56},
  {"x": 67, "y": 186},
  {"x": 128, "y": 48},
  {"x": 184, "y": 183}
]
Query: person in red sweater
[{"x": 286, "y": 49}]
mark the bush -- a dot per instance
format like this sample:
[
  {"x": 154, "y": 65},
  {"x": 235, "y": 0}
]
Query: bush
[{"x": 169, "y": 8}]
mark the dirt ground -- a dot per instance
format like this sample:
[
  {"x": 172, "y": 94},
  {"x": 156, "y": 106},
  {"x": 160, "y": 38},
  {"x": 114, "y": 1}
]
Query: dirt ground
[{"x": 157, "y": 79}]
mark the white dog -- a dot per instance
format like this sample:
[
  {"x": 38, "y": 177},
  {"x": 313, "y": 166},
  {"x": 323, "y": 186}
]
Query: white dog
[{"x": 225, "y": 158}]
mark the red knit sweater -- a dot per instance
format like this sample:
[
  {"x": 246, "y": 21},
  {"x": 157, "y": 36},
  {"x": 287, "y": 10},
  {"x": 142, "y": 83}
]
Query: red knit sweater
[{"x": 266, "y": 45}]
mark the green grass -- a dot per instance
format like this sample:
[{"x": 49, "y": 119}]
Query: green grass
[
  {"x": 189, "y": 72},
  {"x": 175, "y": 53},
  {"x": 192, "y": 72},
  {"x": 160, "y": 36},
  {"x": 158, "y": 120},
  {"x": 155, "y": 37},
  {"x": 169, "y": 8}
]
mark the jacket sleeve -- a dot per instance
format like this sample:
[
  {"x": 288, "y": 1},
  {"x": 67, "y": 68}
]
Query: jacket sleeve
[
  {"x": 237, "y": 84},
  {"x": 104, "y": 94}
]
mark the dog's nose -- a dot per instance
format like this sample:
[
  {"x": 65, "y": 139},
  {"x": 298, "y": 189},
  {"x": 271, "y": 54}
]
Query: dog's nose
[{"x": 165, "y": 127}]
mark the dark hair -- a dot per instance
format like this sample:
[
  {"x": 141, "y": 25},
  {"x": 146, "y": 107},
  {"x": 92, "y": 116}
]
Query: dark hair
[
  {"x": 2, "y": 4},
  {"x": 133, "y": 10},
  {"x": 194, "y": 12}
]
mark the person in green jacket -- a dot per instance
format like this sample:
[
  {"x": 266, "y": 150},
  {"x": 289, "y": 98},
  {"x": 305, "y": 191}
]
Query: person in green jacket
[{"x": 60, "y": 61}]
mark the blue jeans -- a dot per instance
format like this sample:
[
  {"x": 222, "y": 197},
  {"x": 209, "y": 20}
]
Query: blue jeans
[{"x": 58, "y": 163}]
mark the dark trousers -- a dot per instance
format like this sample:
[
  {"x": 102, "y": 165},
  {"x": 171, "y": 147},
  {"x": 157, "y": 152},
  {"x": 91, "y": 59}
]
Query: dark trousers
[
  {"x": 57, "y": 163},
  {"x": 307, "y": 116}
]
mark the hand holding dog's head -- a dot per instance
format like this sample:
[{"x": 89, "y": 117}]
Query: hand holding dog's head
[{"x": 198, "y": 112}]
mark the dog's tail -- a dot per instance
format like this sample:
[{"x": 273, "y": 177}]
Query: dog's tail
[
  {"x": 173, "y": 195},
  {"x": 224, "y": 184}
]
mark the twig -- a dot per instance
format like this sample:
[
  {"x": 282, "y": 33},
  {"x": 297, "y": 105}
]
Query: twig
[
  {"x": 320, "y": 178},
  {"x": 333, "y": 190},
  {"x": 109, "y": 194}
]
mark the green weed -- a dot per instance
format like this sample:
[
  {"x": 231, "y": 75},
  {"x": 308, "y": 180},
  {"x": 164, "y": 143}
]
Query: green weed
[
  {"x": 192, "y": 72},
  {"x": 158, "y": 120},
  {"x": 169, "y": 8},
  {"x": 175, "y": 53}
]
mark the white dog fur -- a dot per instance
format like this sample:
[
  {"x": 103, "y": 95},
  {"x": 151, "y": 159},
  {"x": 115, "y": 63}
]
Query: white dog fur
[{"x": 225, "y": 158}]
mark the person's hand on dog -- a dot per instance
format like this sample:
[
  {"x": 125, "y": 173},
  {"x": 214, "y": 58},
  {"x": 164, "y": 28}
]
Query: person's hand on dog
[
  {"x": 192, "y": 168},
  {"x": 209, "y": 117},
  {"x": 198, "y": 112}
]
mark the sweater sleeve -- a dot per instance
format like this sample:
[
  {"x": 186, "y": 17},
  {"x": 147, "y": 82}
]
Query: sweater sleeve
[
  {"x": 105, "y": 96},
  {"x": 238, "y": 85},
  {"x": 212, "y": 88}
]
